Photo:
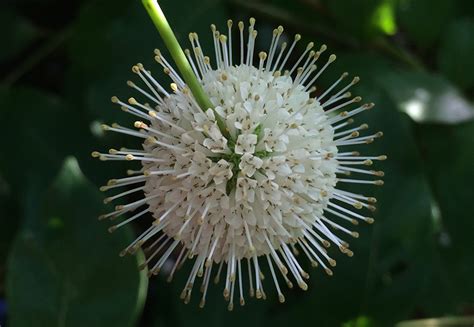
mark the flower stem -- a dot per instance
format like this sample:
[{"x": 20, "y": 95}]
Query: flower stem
[
  {"x": 159, "y": 19},
  {"x": 163, "y": 27}
]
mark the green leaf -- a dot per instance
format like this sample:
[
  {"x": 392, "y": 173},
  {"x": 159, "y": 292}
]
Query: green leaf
[
  {"x": 64, "y": 270},
  {"x": 423, "y": 20},
  {"x": 447, "y": 151},
  {"x": 35, "y": 121},
  {"x": 16, "y": 33},
  {"x": 427, "y": 98},
  {"x": 464, "y": 8},
  {"x": 455, "y": 57}
]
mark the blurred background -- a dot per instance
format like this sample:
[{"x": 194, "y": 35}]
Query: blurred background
[{"x": 61, "y": 61}]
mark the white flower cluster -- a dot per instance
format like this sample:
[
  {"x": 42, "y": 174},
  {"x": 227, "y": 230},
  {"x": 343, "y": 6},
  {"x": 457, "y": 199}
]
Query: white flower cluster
[{"x": 252, "y": 180}]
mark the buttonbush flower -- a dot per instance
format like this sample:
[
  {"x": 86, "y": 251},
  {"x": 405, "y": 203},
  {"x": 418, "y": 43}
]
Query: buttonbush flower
[{"x": 244, "y": 185}]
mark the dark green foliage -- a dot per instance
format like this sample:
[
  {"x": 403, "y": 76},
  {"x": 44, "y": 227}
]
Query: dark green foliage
[
  {"x": 16, "y": 33},
  {"x": 456, "y": 53},
  {"x": 64, "y": 271}
]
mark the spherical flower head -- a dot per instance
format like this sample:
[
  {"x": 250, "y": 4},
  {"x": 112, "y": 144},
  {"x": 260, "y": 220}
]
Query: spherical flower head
[{"x": 252, "y": 180}]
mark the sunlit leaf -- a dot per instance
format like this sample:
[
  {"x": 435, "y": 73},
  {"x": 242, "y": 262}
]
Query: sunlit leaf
[
  {"x": 384, "y": 17},
  {"x": 369, "y": 18},
  {"x": 427, "y": 98},
  {"x": 359, "y": 322},
  {"x": 438, "y": 322}
]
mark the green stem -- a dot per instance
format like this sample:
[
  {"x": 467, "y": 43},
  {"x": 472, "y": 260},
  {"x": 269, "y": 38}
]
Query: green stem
[
  {"x": 159, "y": 19},
  {"x": 163, "y": 27}
]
